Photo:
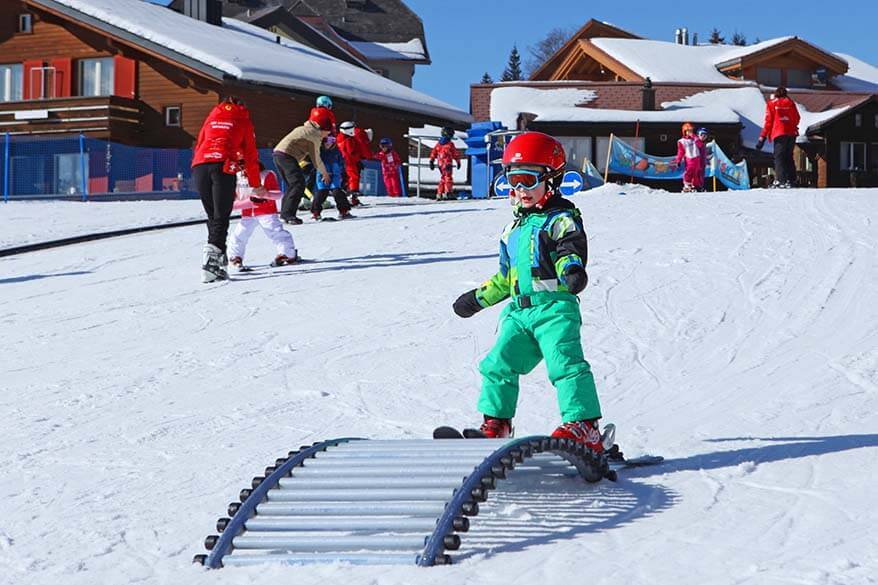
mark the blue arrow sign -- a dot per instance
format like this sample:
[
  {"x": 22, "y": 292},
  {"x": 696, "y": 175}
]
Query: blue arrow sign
[
  {"x": 502, "y": 187},
  {"x": 571, "y": 183}
]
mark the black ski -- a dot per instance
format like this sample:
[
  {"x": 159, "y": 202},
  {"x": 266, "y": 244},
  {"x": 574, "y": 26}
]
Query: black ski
[
  {"x": 446, "y": 433},
  {"x": 473, "y": 434}
]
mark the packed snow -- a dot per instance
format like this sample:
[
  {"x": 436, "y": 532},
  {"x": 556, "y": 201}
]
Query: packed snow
[{"x": 734, "y": 333}]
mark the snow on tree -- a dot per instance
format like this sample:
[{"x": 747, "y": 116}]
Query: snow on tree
[{"x": 486, "y": 78}]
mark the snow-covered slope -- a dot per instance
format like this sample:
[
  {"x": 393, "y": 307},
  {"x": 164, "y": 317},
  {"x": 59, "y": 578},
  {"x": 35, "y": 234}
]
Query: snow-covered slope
[{"x": 736, "y": 334}]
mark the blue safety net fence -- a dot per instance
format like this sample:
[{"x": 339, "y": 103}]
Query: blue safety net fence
[{"x": 80, "y": 167}]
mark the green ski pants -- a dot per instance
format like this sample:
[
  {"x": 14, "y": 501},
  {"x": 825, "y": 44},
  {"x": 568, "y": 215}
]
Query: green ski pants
[{"x": 548, "y": 330}]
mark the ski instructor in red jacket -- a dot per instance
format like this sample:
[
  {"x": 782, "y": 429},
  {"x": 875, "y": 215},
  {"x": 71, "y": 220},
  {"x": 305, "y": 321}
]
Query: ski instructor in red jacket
[
  {"x": 225, "y": 135},
  {"x": 781, "y": 126}
]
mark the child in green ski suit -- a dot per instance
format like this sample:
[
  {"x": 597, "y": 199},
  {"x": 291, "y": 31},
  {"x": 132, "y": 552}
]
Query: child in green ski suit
[{"x": 543, "y": 254}]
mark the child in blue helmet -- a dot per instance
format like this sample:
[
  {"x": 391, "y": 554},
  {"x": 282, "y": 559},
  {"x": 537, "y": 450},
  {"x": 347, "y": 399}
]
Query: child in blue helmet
[
  {"x": 390, "y": 164},
  {"x": 334, "y": 163}
]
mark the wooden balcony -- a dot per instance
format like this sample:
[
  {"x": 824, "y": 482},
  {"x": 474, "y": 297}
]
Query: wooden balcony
[{"x": 108, "y": 117}]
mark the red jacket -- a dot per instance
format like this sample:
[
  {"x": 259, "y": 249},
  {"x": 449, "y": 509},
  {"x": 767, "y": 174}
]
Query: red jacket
[
  {"x": 269, "y": 206},
  {"x": 354, "y": 148},
  {"x": 781, "y": 118},
  {"x": 390, "y": 162},
  {"x": 444, "y": 154},
  {"x": 225, "y": 135}
]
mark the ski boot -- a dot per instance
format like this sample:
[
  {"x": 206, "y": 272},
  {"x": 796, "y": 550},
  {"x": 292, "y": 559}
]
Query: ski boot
[
  {"x": 282, "y": 260},
  {"x": 346, "y": 215},
  {"x": 496, "y": 428},
  {"x": 237, "y": 262},
  {"x": 586, "y": 432},
  {"x": 213, "y": 264},
  {"x": 355, "y": 198},
  {"x": 293, "y": 221}
]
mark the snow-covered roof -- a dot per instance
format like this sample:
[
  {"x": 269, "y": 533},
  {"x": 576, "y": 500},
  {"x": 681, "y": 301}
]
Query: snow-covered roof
[
  {"x": 673, "y": 62},
  {"x": 508, "y": 102},
  {"x": 413, "y": 50},
  {"x": 748, "y": 104},
  {"x": 711, "y": 114},
  {"x": 249, "y": 53},
  {"x": 860, "y": 76}
]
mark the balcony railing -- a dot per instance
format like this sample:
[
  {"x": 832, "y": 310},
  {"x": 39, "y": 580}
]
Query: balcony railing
[{"x": 93, "y": 115}]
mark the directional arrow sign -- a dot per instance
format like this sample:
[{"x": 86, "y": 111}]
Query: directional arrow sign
[
  {"x": 502, "y": 187},
  {"x": 571, "y": 183}
]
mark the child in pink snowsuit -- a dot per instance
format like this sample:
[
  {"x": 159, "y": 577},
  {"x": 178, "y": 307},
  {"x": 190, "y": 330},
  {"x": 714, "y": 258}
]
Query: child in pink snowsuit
[
  {"x": 390, "y": 163},
  {"x": 692, "y": 149},
  {"x": 445, "y": 154}
]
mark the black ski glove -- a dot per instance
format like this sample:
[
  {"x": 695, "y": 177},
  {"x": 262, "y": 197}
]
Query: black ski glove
[
  {"x": 467, "y": 305},
  {"x": 575, "y": 278},
  {"x": 432, "y": 165},
  {"x": 458, "y": 165},
  {"x": 760, "y": 143}
]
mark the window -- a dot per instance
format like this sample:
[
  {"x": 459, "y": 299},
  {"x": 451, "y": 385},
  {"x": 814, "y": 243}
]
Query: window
[
  {"x": 798, "y": 78},
  {"x": 96, "y": 77},
  {"x": 173, "y": 116},
  {"x": 768, "y": 76},
  {"x": 858, "y": 120},
  {"x": 577, "y": 148},
  {"x": 41, "y": 83},
  {"x": 853, "y": 156},
  {"x": 25, "y": 23},
  {"x": 11, "y": 77}
]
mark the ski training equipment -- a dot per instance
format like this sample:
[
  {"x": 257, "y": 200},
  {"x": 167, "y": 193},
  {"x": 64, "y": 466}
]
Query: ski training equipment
[{"x": 384, "y": 501}]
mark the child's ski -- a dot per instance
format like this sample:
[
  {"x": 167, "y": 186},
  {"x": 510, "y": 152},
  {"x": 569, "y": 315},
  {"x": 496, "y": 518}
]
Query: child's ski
[{"x": 446, "y": 433}]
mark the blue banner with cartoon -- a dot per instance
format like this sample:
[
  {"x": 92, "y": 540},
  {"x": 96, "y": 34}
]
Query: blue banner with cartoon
[
  {"x": 629, "y": 161},
  {"x": 734, "y": 176}
]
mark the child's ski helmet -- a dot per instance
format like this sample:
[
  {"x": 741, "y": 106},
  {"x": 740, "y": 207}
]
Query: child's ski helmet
[
  {"x": 347, "y": 128},
  {"x": 322, "y": 117},
  {"x": 448, "y": 132},
  {"x": 704, "y": 131},
  {"x": 385, "y": 142},
  {"x": 537, "y": 149},
  {"x": 324, "y": 101},
  {"x": 687, "y": 127}
]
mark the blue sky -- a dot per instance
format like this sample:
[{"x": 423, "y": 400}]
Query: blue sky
[{"x": 468, "y": 37}]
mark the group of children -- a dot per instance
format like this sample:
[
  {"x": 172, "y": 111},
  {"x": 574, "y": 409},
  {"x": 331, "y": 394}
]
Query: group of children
[{"x": 692, "y": 151}]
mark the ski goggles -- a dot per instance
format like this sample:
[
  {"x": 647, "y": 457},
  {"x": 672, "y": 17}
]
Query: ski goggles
[{"x": 524, "y": 178}]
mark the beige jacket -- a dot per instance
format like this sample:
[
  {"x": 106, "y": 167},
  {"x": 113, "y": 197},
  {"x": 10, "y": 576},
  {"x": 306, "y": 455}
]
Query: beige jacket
[{"x": 303, "y": 142}]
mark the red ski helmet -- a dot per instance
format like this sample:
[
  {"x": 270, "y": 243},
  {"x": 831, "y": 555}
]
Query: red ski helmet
[
  {"x": 537, "y": 149},
  {"x": 688, "y": 127},
  {"x": 322, "y": 117}
]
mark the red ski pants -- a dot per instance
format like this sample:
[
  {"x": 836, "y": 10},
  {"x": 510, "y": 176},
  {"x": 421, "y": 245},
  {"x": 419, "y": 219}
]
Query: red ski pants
[{"x": 392, "y": 184}]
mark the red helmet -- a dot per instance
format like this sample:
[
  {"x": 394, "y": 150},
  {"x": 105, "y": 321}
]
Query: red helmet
[
  {"x": 535, "y": 148},
  {"x": 688, "y": 127},
  {"x": 322, "y": 117}
]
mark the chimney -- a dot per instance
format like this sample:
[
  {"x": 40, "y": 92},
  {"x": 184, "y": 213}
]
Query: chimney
[
  {"x": 695, "y": 39},
  {"x": 209, "y": 11},
  {"x": 685, "y": 36},
  {"x": 678, "y": 36},
  {"x": 647, "y": 96}
]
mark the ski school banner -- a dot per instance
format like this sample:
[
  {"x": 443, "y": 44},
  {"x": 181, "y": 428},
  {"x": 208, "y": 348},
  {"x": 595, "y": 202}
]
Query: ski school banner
[
  {"x": 734, "y": 176},
  {"x": 626, "y": 160}
]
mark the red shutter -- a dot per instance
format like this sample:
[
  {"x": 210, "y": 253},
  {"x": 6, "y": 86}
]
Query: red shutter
[
  {"x": 32, "y": 81},
  {"x": 63, "y": 72},
  {"x": 124, "y": 73}
]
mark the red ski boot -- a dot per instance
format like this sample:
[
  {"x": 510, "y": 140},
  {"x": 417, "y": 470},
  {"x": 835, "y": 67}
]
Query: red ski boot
[
  {"x": 582, "y": 431},
  {"x": 496, "y": 428}
]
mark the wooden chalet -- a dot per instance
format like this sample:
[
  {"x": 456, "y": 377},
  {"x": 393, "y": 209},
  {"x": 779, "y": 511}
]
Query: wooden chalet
[
  {"x": 66, "y": 69},
  {"x": 622, "y": 72}
]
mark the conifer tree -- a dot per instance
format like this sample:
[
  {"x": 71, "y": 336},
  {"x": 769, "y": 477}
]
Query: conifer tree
[
  {"x": 739, "y": 39},
  {"x": 486, "y": 78},
  {"x": 513, "y": 66},
  {"x": 716, "y": 38}
]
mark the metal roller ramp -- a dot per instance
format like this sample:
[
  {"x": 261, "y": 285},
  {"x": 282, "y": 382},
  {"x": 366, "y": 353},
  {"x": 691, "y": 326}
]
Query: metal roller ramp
[{"x": 379, "y": 501}]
